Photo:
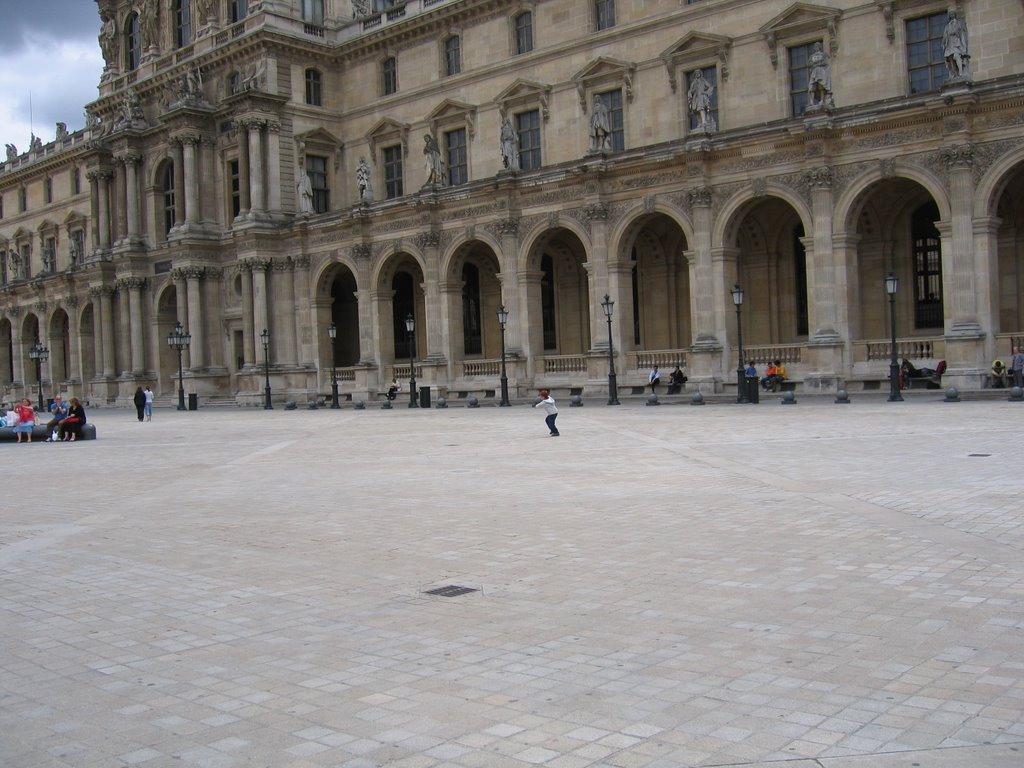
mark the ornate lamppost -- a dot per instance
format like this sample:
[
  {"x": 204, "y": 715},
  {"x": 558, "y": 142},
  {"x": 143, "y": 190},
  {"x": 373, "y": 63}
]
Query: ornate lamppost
[
  {"x": 179, "y": 340},
  {"x": 891, "y": 284},
  {"x": 265, "y": 339},
  {"x": 613, "y": 390},
  {"x": 410, "y": 336},
  {"x": 502, "y": 319},
  {"x": 332, "y": 331},
  {"x": 40, "y": 355},
  {"x": 741, "y": 379}
]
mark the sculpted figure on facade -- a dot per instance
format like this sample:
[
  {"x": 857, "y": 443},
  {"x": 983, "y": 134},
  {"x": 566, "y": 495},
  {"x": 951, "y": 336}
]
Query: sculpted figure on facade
[
  {"x": 34, "y": 143},
  {"x": 954, "y": 46},
  {"x": 108, "y": 39},
  {"x": 360, "y": 9},
  {"x": 305, "y": 189},
  {"x": 432, "y": 161},
  {"x": 252, "y": 77},
  {"x": 131, "y": 110},
  {"x": 363, "y": 181},
  {"x": 819, "y": 82},
  {"x": 12, "y": 152},
  {"x": 600, "y": 127},
  {"x": 61, "y": 131},
  {"x": 150, "y": 24},
  {"x": 698, "y": 99},
  {"x": 509, "y": 145},
  {"x": 205, "y": 12},
  {"x": 75, "y": 248}
]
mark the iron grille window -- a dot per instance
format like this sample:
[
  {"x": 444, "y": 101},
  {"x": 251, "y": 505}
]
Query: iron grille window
[
  {"x": 393, "y": 172},
  {"x": 711, "y": 75},
  {"x": 182, "y": 23},
  {"x": 314, "y": 89},
  {"x": 528, "y": 126},
  {"x": 927, "y": 267},
  {"x": 455, "y": 149},
  {"x": 524, "y": 32},
  {"x": 605, "y": 14},
  {"x": 453, "y": 55},
  {"x": 926, "y": 64},
  {"x": 316, "y": 169},
  {"x": 799, "y": 76},
  {"x": 613, "y": 101},
  {"x": 389, "y": 75}
]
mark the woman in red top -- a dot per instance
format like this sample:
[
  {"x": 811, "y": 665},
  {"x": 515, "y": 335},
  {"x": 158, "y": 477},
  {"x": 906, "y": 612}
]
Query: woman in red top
[{"x": 26, "y": 419}]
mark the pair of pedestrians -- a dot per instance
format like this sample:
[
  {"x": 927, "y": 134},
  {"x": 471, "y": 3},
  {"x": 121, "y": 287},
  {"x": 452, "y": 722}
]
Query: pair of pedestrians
[{"x": 144, "y": 403}]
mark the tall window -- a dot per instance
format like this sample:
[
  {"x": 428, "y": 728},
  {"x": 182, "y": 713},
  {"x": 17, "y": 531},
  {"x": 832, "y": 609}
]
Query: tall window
[
  {"x": 799, "y": 76},
  {"x": 314, "y": 89},
  {"x": 455, "y": 150},
  {"x": 316, "y": 169},
  {"x": 710, "y": 74},
  {"x": 50, "y": 255},
  {"x": 605, "y": 14},
  {"x": 26, "y": 261},
  {"x": 528, "y": 127},
  {"x": 800, "y": 282},
  {"x": 313, "y": 12},
  {"x": 925, "y": 61},
  {"x": 48, "y": 190},
  {"x": 524, "y": 32},
  {"x": 927, "y": 267},
  {"x": 404, "y": 303},
  {"x": 389, "y": 76},
  {"x": 453, "y": 55},
  {"x": 132, "y": 42},
  {"x": 238, "y": 10},
  {"x": 236, "y": 189},
  {"x": 76, "y": 181},
  {"x": 182, "y": 23},
  {"x": 167, "y": 187},
  {"x": 613, "y": 100},
  {"x": 393, "y": 172},
  {"x": 472, "y": 338},
  {"x": 547, "y": 302},
  {"x": 23, "y": 199}
]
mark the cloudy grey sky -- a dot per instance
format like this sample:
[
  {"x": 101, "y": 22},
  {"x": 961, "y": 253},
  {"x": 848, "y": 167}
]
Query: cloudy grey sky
[{"x": 47, "y": 48}]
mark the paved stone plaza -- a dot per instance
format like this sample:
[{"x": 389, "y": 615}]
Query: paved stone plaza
[{"x": 839, "y": 586}]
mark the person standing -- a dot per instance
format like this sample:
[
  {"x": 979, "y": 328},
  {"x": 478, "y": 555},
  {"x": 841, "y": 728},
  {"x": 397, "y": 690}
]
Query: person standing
[
  {"x": 1017, "y": 364},
  {"x": 140, "y": 403},
  {"x": 148, "y": 410},
  {"x": 26, "y": 419},
  {"x": 548, "y": 403}
]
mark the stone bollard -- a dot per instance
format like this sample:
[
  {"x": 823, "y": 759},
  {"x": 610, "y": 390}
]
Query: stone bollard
[
  {"x": 788, "y": 398},
  {"x": 1016, "y": 395},
  {"x": 472, "y": 402},
  {"x": 652, "y": 399},
  {"x": 843, "y": 397},
  {"x": 575, "y": 401},
  {"x": 360, "y": 405},
  {"x": 290, "y": 405},
  {"x": 952, "y": 395},
  {"x": 697, "y": 399},
  {"x": 442, "y": 403},
  {"x": 311, "y": 405},
  {"x": 386, "y": 405}
]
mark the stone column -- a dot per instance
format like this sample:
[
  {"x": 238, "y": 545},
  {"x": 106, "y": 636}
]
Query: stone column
[
  {"x": 208, "y": 189},
  {"x": 189, "y": 150},
  {"x": 132, "y": 287},
  {"x": 245, "y": 200},
  {"x": 74, "y": 367},
  {"x": 94, "y": 208},
  {"x": 131, "y": 166},
  {"x": 725, "y": 271},
  {"x": 179, "y": 183},
  {"x": 286, "y": 310},
  {"x": 603, "y": 270},
  {"x": 106, "y": 297},
  {"x": 274, "y": 166},
  {"x": 708, "y": 328},
  {"x": 508, "y": 261},
  {"x": 532, "y": 340},
  {"x": 197, "y": 349},
  {"x": 248, "y": 334},
  {"x": 123, "y": 340},
  {"x": 260, "y": 305},
  {"x": 959, "y": 285},
  {"x": 256, "y": 166},
  {"x": 121, "y": 198},
  {"x": 986, "y": 246},
  {"x": 300, "y": 293},
  {"x": 103, "y": 194},
  {"x": 821, "y": 273},
  {"x": 449, "y": 316},
  {"x": 382, "y": 300}
]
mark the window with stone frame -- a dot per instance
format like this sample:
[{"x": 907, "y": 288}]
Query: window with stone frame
[
  {"x": 48, "y": 190},
  {"x": 316, "y": 169},
  {"x": 76, "y": 181},
  {"x": 235, "y": 190},
  {"x": 313, "y": 12},
  {"x": 167, "y": 193},
  {"x": 132, "y": 42},
  {"x": 182, "y": 20},
  {"x": 76, "y": 246},
  {"x": 926, "y": 64},
  {"x": 314, "y": 88},
  {"x": 456, "y": 157},
  {"x": 238, "y": 10},
  {"x": 26, "y": 261},
  {"x": 524, "y": 32},
  {"x": 799, "y": 76},
  {"x": 393, "y": 186},
  {"x": 50, "y": 254},
  {"x": 23, "y": 199},
  {"x": 528, "y": 127},
  {"x": 3, "y": 266},
  {"x": 711, "y": 75},
  {"x": 453, "y": 55},
  {"x": 613, "y": 101},
  {"x": 1, "y": 205},
  {"x": 389, "y": 76},
  {"x": 605, "y": 14}
]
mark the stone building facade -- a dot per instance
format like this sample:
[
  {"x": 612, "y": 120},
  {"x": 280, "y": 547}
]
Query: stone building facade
[{"x": 283, "y": 165}]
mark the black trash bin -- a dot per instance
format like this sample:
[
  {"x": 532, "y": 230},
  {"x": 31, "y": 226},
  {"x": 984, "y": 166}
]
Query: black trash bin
[
  {"x": 193, "y": 402},
  {"x": 753, "y": 389},
  {"x": 424, "y": 397}
]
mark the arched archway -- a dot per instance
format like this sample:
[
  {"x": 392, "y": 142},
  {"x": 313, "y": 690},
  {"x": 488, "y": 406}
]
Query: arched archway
[
  {"x": 1009, "y": 309},
  {"x": 6, "y": 352},
  {"x": 59, "y": 341},
  {"x": 559, "y": 295},
  {"x": 475, "y": 295},
  {"x": 400, "y": 295},
  {"x": 29, "y": 336},
  {"x": 344, "y": 313},
  {"x": 87, "y": 334},
  {"x": 166, "y": 319}
]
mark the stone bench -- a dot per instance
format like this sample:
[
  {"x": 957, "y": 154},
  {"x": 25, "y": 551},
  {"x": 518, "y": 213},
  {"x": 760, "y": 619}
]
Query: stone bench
[{"x": 39, "y": 433}]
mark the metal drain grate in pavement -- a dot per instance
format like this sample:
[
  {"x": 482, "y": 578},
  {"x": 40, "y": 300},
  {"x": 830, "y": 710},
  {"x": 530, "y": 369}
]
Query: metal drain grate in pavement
[{"x": 452, "y": 590}]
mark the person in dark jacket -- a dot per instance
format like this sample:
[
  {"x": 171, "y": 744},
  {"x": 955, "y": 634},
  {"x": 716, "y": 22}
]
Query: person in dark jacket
[
  {"x": 140, "y": 403},
  {"x": 71, "y": 426}
]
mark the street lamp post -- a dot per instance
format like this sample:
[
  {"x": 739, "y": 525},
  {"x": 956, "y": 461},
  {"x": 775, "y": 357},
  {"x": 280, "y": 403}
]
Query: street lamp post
[
  {"x": 40, "y": 354},
  {"x": 179, "y": 340},
  {"x": 502, "y": 319},
  {"x": 741, "y": 379},
  {"x": 410, "y": 336},
  {"x": 613, "y": 390},
  {"x": 332, "y": 331},
  {"x": 265, "y": 338},
  {"x": 891, "y": 284}
]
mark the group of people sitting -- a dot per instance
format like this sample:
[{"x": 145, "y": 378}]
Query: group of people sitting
[
  {"x": 908, "y": 372},
  {"x": 676, "y": 380},
  {"x": 774, "y": 375},
  {"x": 65, "y": 424}
]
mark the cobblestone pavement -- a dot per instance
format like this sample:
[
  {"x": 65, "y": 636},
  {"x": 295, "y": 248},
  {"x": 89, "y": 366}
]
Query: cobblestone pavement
[{"x": 836, "y": 586}]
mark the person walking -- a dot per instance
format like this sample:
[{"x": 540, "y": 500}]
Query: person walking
[
  {"x": 140, "y": 403},
  {"x": 548, "y": 403},
  {"x": 148, "y": 408}
]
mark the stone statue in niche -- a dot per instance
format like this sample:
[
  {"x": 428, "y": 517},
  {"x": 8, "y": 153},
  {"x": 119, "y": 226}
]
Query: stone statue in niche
[
  {"x": 108, "y": 39},
  {"x": 305, "y": 189},
  {"x": 509, "y": 145},
  {"x": 75, "y": 248},
  {"x": 600, "y": 127},
  {"x": 361, "y": 9},
  {"x": 252, "y": 77},
  {"x": 698, "y": 99},
  {"x": 363, "y": 181},
  {"x": 819, "y": 82},
  {"x": 149, "y": 24},
  {"x": 954, "y": 46},
  {"x": 432, "y": 161}
]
